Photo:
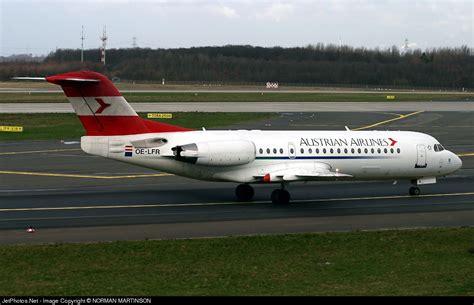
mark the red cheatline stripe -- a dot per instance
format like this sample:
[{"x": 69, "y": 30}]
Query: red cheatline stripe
[{"x": 114, "y": 125}]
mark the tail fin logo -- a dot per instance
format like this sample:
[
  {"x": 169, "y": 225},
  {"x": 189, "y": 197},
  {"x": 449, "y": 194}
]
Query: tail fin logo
[{"x": 102, "y": 104}]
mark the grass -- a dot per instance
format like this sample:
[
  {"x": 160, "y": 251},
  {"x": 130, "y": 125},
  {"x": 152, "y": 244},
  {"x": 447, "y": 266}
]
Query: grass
[
  {"x": 180, "y": 97},
  {"x": 67, "y": 125},
  {"x": 414, "y": 262}
]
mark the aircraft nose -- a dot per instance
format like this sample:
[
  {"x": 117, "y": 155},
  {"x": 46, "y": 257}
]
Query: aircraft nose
[{"x": 456, "y": 161}]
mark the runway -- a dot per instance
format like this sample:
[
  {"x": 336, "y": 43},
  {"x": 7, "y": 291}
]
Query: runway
[
  {"x": 69, "y": 196},
  {"x": 254, "y": 107}
]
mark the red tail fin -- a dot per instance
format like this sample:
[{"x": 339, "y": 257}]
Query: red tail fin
[{"x": 101, "y": 108}]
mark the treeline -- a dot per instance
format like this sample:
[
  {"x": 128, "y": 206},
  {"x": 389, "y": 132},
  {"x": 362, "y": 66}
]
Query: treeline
[{"x": 313, "y": 64}]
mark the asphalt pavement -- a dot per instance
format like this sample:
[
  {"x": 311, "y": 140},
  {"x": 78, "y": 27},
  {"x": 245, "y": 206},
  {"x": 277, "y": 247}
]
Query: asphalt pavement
[{"x": 69, "y": 196}]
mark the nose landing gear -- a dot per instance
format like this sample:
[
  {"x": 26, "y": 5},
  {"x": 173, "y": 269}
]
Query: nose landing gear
[{"x": 414, "y": 191}]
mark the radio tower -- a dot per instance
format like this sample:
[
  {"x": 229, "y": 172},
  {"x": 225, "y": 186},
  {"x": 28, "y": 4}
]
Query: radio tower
[
  {"x": 134, "y": 43},
  {"x": 82, "y": 44},
  {"x": 104, "y": 44}
]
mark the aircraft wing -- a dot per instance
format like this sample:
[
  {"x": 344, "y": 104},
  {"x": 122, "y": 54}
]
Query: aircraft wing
[
  {"x": 320, "y": 174},
  {"x": 310, "y": 172}
]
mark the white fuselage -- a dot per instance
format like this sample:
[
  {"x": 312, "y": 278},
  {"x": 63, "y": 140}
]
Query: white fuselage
[{"x": 360, "y": 155}]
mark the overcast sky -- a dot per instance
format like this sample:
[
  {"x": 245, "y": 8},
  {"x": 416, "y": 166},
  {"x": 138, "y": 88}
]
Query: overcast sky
[{"x": 40, "y": 26}]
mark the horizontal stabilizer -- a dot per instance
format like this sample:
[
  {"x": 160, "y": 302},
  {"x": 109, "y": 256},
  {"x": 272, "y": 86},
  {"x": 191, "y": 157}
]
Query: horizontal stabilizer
[
  {"x": 57, "y": 80},
  {"x": 78, "y": 80},
  {"x": 29, "y": 78}
]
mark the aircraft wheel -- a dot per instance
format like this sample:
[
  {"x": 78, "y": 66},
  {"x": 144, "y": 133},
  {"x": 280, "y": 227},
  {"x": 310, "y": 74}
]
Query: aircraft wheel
[
  {"x": 414, "y": 191},
  {"x": 280, "y": 196},
  {"x": 244, "y": 192}
]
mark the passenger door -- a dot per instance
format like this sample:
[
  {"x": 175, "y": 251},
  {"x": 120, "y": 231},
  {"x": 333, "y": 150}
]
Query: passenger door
[{"x": 421, "y": 156}]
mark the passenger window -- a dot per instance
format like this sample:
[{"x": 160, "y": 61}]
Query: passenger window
[
  {"x": 324, "y": 150},
  {"x": 345, "y": 150},
  {"x": 260, "y": 151},
  {"x": 268, "y": 150},
  {"x": 379, "y": 150},
  {"x": 292, "y": 151},
  {"x": 372, "y": 150},
  {"x": 391, "y": 150},
  {"x": 302, "y": 151},
  {"x": 317, "y": 150},
  {"x": 338, "y": 150},
  {"x": 385, "y": 150},
  {"x": 366, "y": 150},
  {"x": 310, "y": 150},
  {"x": 352, "y": 150},
  {"x": 331, "y": 150},
  {"x": 398, "y": 150},
  {"x": 281, "y": 150},
  {"x": 274, "y": 150},
  {"x": 359, "y": 151}
]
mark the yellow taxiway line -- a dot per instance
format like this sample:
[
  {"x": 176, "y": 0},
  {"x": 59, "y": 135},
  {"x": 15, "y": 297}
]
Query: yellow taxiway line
[
  {"x": 82, "y": 176},
  {"x": 226, "y": 203},
  {"x": 466, "y": 155},
  {"x": 400, "y": 116}
]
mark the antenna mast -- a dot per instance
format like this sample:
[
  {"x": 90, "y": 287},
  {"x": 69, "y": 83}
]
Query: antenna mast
[
  {"x": 82, "y": 44},
  {"x": 104, "y": 44},
  {"x": 134, "y": 43}
]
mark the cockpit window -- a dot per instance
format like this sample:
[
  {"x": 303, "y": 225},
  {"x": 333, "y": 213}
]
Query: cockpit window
[{"x": 438, "y": 147}]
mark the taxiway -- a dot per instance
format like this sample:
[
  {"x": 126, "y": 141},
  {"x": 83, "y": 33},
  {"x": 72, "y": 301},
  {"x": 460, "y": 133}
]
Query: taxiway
[{"x": 68, "y": 195}]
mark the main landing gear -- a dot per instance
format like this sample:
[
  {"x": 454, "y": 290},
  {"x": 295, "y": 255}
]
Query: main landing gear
[
  {"x": 280, "y": 196},
  {"x": 245, "y": 192}
]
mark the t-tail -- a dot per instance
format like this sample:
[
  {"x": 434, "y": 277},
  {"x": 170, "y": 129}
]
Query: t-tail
[{"x": 102, "y": 109}]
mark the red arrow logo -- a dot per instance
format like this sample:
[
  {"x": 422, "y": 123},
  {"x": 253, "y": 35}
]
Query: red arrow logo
[
  {"x": 102, "y": 104},
  {"x": 393, "y": 142}
]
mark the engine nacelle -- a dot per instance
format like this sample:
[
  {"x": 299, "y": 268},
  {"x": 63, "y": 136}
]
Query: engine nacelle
[{"x": 217, "y": 153}]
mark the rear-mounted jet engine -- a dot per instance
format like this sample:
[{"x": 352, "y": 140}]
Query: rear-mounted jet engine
[{"x": 216, "y": 153}]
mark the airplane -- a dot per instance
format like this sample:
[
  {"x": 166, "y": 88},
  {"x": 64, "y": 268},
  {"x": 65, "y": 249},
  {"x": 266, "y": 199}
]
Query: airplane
[{"x": 115, "y": 131}]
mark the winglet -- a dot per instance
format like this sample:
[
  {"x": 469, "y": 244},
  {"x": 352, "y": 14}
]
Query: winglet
[{"x": 347, "y": 128}]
